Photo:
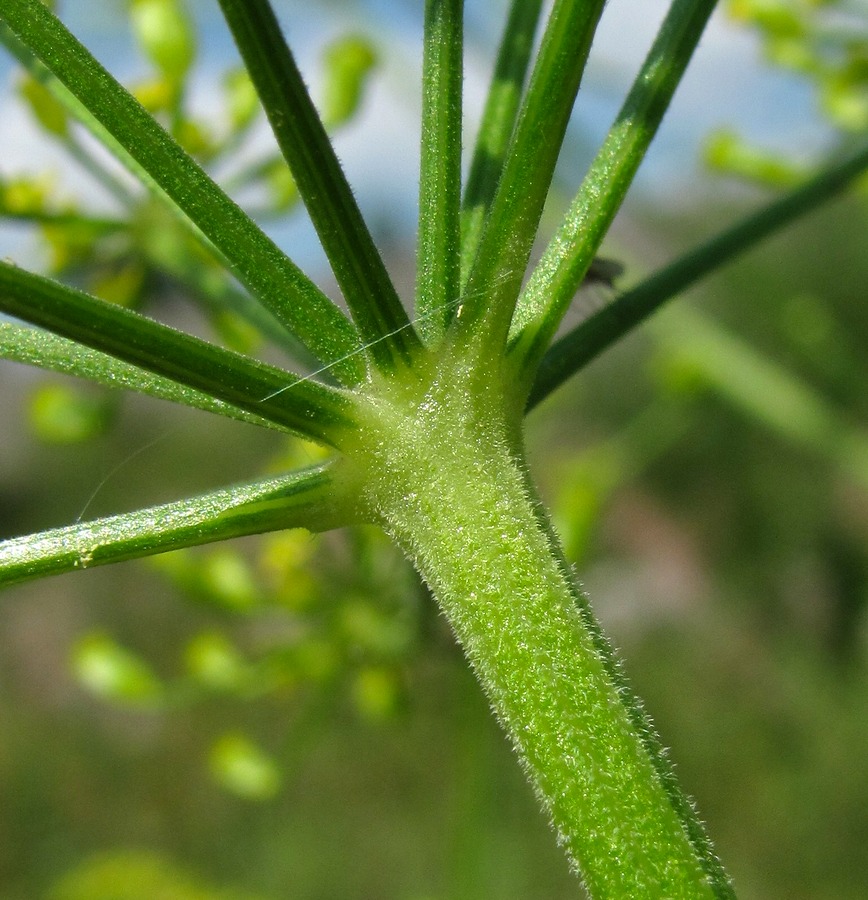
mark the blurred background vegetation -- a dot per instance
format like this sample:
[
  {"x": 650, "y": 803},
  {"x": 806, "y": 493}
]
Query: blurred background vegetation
[{"x": 289, "y": 716}]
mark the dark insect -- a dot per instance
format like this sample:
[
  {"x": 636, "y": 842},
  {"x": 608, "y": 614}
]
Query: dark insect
[{"x": 603, "y": 271}]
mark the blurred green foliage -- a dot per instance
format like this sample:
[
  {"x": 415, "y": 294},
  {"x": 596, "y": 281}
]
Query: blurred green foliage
[
  {"x": 135, "y": 876},
  {"x": 824, "y": 40}
]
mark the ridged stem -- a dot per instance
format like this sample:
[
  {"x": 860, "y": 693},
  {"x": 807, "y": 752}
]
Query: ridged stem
[{"x": 446, "y": 479}]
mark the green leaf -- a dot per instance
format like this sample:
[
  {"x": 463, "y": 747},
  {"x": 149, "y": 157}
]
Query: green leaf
[
  {"x": 49, "y": 112},
  {"x": 776, "y": 17},
  {"x": 243, "y": 768},
  {"x": 61, "y": 415},
  {"x": 727, "y": 152},
  {"x": 382, "y": 321},
  {"x": 845, "y": 101},
  {"x": 376, "y": 693},
  {"x": 241, "y": 102},
  {"x": 302, "y": 405},
  {"x": 56, "y": 354},
  {"x": 255, "y": 259},
  {"x": 307, "y": 498},
  {"x": 437, "y": 265},
  {"x": 215, "y": 662},
  {"x": 26, "y": 198},
  {"x": 221, "y": 578},
  {"x": 136, "y": 875}
]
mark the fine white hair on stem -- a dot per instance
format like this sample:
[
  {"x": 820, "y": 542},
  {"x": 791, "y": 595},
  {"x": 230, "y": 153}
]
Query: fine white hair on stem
[{"x": 365, "y": 347}]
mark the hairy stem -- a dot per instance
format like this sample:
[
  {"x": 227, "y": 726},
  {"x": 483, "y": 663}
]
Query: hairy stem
[
  {"x": 498, "y": 122},
  {"x": 446, "y": 480},
  {"x": 310, "y": 498},
  {"x": 437, "y": 278}
]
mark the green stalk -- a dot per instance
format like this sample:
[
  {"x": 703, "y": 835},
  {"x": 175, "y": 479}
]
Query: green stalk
[
  {"x": 212, "y": 286},
  {"x": 445, "y": 477},
  {"x": 498, "y": 270},
  {"x": 307, "y": 499},
  {"x": 570, "y": 252},
  {"x": 34, "y": 347},
  {"x": 497, "y": 125},
  {"x": 437, "y": 266},
  {"x": 302, "y": 138},
  {"x": 301, "y": 405},
  {"x": 585, "y": 342}
]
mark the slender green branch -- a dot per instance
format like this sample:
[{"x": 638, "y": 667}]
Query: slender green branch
[
  {"x": 35, "y": 347},
  {"x": 609, "y": 324},
  {"x": 248, "y": 308},
  {"x": 307, "y": 499},
  {"x": 270, "y": 275},
  {"x": 498, "y": 124},
  {"x": 437, "y": 265},
  {"x": 308, "y": 408},
  {"x": 498, "y": 271},
  {"x": 570, "y": 252},
  {"x": 358, "y": 267}
]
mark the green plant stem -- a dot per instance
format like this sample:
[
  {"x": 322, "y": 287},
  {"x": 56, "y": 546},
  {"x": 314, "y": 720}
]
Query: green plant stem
[
  {"x": 497, "y": 125},
  {"x": 307, "y": 499},
  {"x": 269, "y": 274},
  {"x": 215, "y": 291},
  {"x": 358, "y": 267},
  {"x": 570, "y": 252},
  {"x": 445, "y": 478},
  {"x": 301, "y": 405},
  {"x": 498, "y": 270},
  {"x": 585, "y": 342},
  {"x": 437, "y": 264},
  {"x": 34, "y": 347}
]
